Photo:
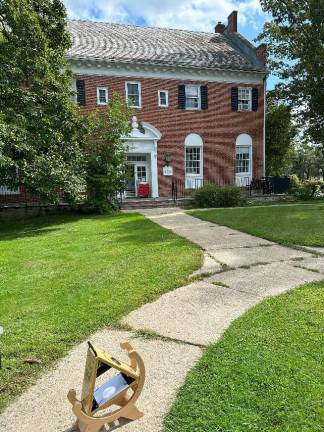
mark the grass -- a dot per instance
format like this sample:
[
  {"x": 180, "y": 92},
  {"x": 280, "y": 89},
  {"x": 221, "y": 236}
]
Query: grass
[
  {"x": 64, "y": 277},
  {"x": 264, "y": 375},
  {"x": 290, "y": 225}
]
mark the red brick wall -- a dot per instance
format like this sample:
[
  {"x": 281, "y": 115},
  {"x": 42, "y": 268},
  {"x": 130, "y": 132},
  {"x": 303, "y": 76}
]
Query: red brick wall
[{"x": 218, "y": 126}]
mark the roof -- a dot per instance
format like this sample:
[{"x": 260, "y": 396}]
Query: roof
[{"x": 161, "y": 46}]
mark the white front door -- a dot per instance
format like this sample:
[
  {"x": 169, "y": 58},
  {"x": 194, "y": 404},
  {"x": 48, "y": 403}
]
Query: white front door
[
  {"x": 138, "y": 172},
  {"x": 243, "y": 165}
]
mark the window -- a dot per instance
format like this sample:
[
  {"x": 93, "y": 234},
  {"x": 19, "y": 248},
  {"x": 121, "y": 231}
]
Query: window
[
  {"x": 133, "y": 94},
  {"x": 193, "y": 160},
  {"x": 136, "y": 158},
  {"x": 244, "y": 99},
  {"x": 74, "y": 96},
  {"x": 141, "y": 173},
  {"x": 102, "y": 95},
  {"x": 193, "y": 97},
  {"x": 243, "y": 159},
  {"x": 163, "y": 98},
  {"x": 81, "y": 92}
]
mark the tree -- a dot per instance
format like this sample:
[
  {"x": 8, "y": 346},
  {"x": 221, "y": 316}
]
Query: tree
[
  {"x": 280, "y": 134},
  {"x": 308, "y": 161},
  {"x": 105, "y": 152},
  {"x": 41, "y": 129},
  {"x": 295, "y": 39}
]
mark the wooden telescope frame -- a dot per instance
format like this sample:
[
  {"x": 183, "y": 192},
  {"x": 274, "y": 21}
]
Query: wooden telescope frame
[{"x": 98, "y": 359}]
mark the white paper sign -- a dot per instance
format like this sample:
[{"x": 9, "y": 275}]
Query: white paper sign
[{"x": 168, "y": 170}]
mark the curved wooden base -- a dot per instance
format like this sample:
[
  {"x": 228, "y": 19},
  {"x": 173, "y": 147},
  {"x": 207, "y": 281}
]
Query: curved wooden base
[{"x": 128, "y": 410}]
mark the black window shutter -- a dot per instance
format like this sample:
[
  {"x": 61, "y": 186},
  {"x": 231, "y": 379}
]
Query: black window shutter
[
  {"x": 255, "y": 99},
  {"x": 182, "y": 96},
  {"x": 234, "y": 93},
  {"x": 204, "y": 97},
  {"x": 80, "y": 88}
]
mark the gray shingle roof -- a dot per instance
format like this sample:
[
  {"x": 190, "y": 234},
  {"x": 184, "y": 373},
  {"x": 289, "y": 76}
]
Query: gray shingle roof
[{"x": 161, "y": 46}]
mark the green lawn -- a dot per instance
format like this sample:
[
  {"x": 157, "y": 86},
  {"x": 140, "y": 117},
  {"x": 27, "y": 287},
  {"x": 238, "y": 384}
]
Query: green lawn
[
  {"x": 264, "y": 375},
  {"x": 291, "y": 225},
  {"x": 63, "y": 277}
]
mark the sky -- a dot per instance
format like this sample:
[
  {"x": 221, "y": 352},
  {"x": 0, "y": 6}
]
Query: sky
[{"x": 183, "y": 14}]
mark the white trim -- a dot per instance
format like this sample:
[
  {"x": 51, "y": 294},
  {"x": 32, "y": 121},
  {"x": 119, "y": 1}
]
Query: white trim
[
  {"x": 139, "y": 93},
  {"x": 193, "y": 140},
  {"x": 250, "y": 99},
  {"x": 132, "y": 70},
  {"x": 98, "y": 95},
  {"x": 75, "y": 96},
  {"x": 244, "y": 178},
  {"x": 166, "y": 98},
  {"x": 5, "y": 190},
  {"x": 194, "y": 180},
  {"x": 264, "y": 125},
  {"x": 199, "y": 97}
]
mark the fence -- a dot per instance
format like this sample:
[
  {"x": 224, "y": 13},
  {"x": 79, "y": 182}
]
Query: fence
[
  {"x": 184, "y": 189},
  {"x": 265, "y": 185}
]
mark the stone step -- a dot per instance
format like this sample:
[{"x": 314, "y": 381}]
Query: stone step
[{"x": 131, "y": 204}]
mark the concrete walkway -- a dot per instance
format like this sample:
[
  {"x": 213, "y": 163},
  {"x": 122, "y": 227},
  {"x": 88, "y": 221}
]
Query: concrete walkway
[{"x": 239, "y": 271}]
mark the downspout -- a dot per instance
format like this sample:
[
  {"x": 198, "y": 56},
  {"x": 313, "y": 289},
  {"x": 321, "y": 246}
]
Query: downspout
[{"x": 264, "y": 123}]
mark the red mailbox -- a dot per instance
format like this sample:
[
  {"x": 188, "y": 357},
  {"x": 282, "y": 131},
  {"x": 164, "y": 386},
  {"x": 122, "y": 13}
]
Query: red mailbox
[{"x": 143, "y": 190}]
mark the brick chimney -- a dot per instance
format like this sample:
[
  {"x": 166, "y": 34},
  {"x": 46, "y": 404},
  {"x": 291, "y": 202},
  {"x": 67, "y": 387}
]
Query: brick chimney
[
  {"x": 261, "y": 53},
  {"x": 220, "y": 27},
  {"x": 232, "y": 22}
]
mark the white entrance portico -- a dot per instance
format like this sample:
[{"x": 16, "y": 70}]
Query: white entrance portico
[{"x": 141, "y": 152}]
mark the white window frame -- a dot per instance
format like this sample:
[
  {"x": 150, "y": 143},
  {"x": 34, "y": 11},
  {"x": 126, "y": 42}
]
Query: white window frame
[
  {"x": 192, "y": 174},
  {"x": 244, "y": 141},
  {"x": 74, "y": 98},
  {"x": 166, "y": 98},
  {"x": 243, "y": 106},
  {"x": 139, "y": 93},
  {"x": 249, "y": 148},
  {"x": 5, "y": 190},
  {"x": 192, "y": 180},
  {"x": 198, "y": 87},
  {"x": 105, "y": 89}
]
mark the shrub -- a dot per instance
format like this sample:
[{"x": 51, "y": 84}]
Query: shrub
[
  {"x": 308, "y": 190},
  {"x": 295, "y": 181},
  {"x": 211, "y": 195}
]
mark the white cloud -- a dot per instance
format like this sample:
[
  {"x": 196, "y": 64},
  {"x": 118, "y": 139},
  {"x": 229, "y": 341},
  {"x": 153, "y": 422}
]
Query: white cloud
[{"x": 186, "y": 14}]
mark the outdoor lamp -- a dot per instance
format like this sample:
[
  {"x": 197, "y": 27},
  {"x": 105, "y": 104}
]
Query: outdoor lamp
[{"x": 167, "y": 158}]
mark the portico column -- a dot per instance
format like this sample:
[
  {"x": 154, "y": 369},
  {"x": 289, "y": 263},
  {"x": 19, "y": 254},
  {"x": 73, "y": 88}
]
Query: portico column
[{"x": 154, "y": 172}]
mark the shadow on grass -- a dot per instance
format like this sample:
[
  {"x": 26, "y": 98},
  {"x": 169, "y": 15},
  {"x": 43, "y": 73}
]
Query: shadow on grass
[
  {"x": 42, "y": 225},
  {"x": 133, "y": 229}
]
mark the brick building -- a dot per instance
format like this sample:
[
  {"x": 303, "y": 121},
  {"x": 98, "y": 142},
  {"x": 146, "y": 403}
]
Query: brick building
[{"x": 198, "y": 98}]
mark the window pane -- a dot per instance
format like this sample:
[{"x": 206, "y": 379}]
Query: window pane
[
  {"x": 192, "y": 91},
  {"x": 192, "y": 97},
  {"x": 133, "y": 93},
  {"x": 102, "y": 96},
  {"x": 193, "y": 160},
  {"x": 192, "y": 103},
  {"x": 244, "y": 99},
  {"x": 243, "y": 160},
  {"x": 141, "y": 173},
  {"x": 163, "y": 98}
]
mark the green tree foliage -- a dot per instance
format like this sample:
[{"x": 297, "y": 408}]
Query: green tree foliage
[
  {"x": 41, "y": 129},
  {"x": 106, "y": 163},
  {"x": 280, "y": 134},
  {"x": 308, "y": 161},
  {"x": 295, "y": 38}
]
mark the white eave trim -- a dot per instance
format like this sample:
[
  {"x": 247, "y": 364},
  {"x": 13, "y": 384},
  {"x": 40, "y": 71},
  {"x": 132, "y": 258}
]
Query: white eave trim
[{"x": 132, "y": 70}]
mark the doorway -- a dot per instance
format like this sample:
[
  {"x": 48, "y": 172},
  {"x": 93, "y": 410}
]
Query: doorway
[{"x": 137, "y": 172}]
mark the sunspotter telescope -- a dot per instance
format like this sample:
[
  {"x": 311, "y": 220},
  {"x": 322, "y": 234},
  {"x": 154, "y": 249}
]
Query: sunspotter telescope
[{"x": 122, "y": 390}]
